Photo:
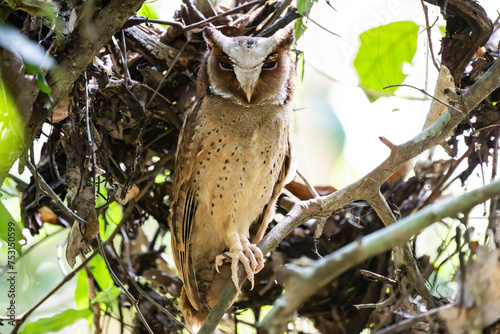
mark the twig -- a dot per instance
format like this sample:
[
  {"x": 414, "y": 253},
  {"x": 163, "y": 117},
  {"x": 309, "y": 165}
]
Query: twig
[
  {"x": 132, "y": 299},
  {"x": 377, "y": 306},
  {"x": 330, "y": 5},
  {"x": 484, "y": 128},
  {"x": 378, "y": 277},
  {"x": 428, "y": 30},
  {"x": 325, "y": 29},
  {"x": 387, "y": 142},
  {"x": 424, "y": 92},
  {"x": 403, "y": 255},
  {"x": 138, "y": 20},
  {"x": 141, "y": 19},
  {"x": 407, "y": 323},
  {"x": 290, "y": 15},
  {"x": 90, "y": 142},
  {"x": 261, "y": 15},
  {"x": 384, "y": 212},
  {"x": 229, "y": 12},
  {"x": 311, "y": 188},
  {"x": 50, "y": 193},
  {"x": 133, "y": 279},
  {"x": 171, "y": 67},
  {"x": 331, "y": 266}
]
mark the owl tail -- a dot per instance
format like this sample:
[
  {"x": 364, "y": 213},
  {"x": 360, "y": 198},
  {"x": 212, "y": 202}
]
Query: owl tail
[
  {"x": 219, "y": 282},
  {"x": 195, "y": 318}
]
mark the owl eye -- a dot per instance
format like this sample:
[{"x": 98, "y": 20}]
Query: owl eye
[
  {"x": 269, "y": 65},
  {"x": 226, "y": 66}
]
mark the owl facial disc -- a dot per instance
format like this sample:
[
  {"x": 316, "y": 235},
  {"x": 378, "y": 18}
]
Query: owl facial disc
[{"x": 248, "y": 56}]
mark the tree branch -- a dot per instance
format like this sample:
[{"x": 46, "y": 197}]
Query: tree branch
[
  {"x": 364, "y": 188},
  {"x": 331, "y": 266},
  {"x": 75, "y": 56}
]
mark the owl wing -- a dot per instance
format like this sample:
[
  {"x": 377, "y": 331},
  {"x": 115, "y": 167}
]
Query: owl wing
[
  {"x": 286, "y": 175},
  {"x": 184, "y": 205}
]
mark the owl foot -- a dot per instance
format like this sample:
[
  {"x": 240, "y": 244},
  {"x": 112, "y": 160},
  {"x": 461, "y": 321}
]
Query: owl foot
[{"x": 248, "y": 254}]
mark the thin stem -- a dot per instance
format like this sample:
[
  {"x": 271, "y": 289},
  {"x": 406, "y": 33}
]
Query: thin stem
[
  {"x": 221, "y": 15},
  {"x": 132, "y": 299},
  {"x": 50, "y": 193}
]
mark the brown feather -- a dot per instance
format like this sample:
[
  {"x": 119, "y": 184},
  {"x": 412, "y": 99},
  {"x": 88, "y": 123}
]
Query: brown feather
[{"x": 232, "y": 161}]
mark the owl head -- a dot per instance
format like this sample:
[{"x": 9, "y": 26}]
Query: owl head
[{"x": 250, "y": 70}]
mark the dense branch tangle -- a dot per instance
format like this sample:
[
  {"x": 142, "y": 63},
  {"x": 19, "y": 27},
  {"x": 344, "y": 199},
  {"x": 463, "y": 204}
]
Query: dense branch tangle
[{"x": 367, "y": 188}]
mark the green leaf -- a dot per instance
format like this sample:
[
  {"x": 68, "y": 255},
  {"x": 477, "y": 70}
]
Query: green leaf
[
  {"x": 31, "y": 53},
  {"x": 147, "y": 11},
  {"x": 107, "y": 297},
  {"x": 442, "y": 29},
  {"x": 41, "y": 82},
  {"x": 34, "y": 57},
  {"x": 114, "y": 214},
  {"x": 304, "y": 6},
  {"x": 12, "y": 130},
  {"x": 381, "y": 56},
  {"x": 10, "y": 231},
  {"x": 56, "y": 322},
  {"x": 81, "y": 291},
  {"x": 160, "y": 178},
  {"x": 101, "y": 273},
  {"x": 300, "y": 28},
  {"x": 47, "y": 9}
]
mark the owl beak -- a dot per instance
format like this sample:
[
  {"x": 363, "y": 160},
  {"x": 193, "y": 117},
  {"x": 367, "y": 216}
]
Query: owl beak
[
  {"x": 248, "y": 93},
  {"x": 248, "y": 79}
]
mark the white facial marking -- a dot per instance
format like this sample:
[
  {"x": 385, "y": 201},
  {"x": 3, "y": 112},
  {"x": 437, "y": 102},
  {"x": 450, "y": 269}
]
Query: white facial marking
[{"x": 247, "y": 56}]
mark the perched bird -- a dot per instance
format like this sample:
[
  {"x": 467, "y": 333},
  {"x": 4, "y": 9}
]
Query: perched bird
[{"x": 233, "y": 158}]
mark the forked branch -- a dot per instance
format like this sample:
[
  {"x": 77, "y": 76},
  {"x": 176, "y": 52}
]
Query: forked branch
[{"x": 365, "y": 189}]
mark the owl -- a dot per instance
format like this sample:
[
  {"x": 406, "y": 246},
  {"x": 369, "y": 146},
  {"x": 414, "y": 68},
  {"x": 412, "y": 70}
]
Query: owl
[{"x": 233, "y": 159}]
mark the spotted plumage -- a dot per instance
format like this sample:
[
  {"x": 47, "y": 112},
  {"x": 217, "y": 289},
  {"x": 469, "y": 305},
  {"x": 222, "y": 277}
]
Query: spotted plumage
[{"x": 233, "y": 157}]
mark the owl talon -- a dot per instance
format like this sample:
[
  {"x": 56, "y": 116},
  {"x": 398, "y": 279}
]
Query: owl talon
[
  {"x": 249, "y": 255},
  {"x": 255, "y": 256}
]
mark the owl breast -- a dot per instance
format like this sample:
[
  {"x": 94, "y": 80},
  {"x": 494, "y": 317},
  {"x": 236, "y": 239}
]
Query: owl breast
[{"x": 238, "y": 164}]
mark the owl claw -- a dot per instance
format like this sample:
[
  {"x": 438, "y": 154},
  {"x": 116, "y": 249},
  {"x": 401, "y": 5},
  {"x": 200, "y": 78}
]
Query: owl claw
[{"x": 249, "y": 255}]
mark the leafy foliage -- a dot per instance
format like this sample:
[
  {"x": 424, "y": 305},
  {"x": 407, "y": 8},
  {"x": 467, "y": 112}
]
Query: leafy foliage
[
  {"x": 56, "y": 322},
  {"x": 12, "y": 130},
  {"x": 304, "y": 7},
  {"x": 31, "y": 53},
  {"x": 383, "y": 52},
  {"x": 147, "y": 11},
  {"x": 7, "y": 224}
]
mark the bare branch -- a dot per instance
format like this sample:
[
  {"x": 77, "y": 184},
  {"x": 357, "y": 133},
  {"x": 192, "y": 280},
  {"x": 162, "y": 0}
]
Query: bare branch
[
  {"x": 428, "y": 30},
  {"x": 226, "y": 13},
  {"x": 310, "y": 187},
  {"x": 424, "y": 92},
  {"x": 331, "y": 266},
  {"x": 362, "y": 189},
  {"x": 50, "y": 193}
]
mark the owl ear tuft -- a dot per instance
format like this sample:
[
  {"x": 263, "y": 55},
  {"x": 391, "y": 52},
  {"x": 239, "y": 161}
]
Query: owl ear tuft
[
  {"x": 212, "y": 37},
  {"x": 284, "y": 39}
]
